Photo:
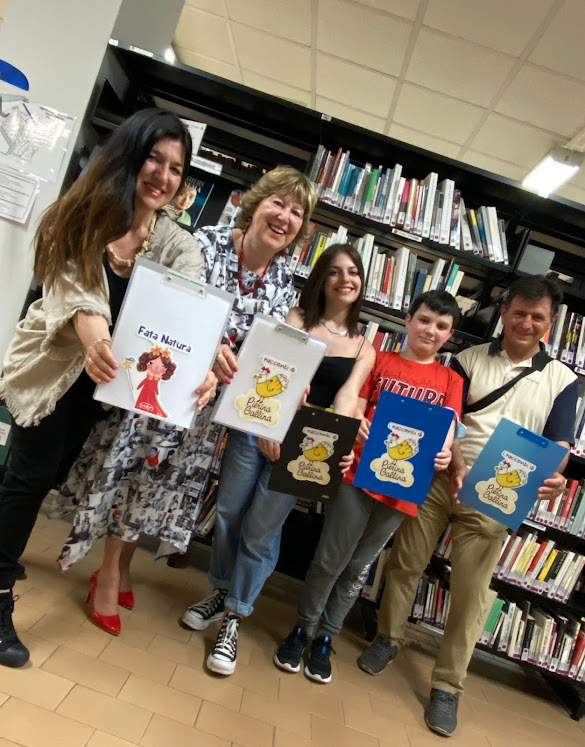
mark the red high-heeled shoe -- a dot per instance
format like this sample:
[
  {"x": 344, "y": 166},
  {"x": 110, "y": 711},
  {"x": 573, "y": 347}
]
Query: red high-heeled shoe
[
  {"x": 109, "y": 623},
  {"x": 126, "y": 599}
]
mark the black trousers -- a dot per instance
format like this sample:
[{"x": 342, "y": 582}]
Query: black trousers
[{"x": 41, "y": 457}]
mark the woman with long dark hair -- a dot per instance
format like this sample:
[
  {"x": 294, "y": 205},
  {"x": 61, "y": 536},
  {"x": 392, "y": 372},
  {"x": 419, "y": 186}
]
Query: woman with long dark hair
[
  {"x": 164, "y": 469},
  {"x": 85, "y": 247},
  {"x": 249, "y": 519}
]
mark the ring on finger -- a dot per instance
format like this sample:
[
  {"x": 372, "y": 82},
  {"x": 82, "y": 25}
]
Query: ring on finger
[
  {"x": 221, "y": 355},
  {"x": 88, "y": 360}
]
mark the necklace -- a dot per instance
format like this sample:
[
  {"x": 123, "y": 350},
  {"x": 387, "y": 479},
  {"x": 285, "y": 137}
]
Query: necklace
[
  {"x": 143, "y": 249},
  {"x": 341, "y": 334},
  {"x": 243, "y": 289}
]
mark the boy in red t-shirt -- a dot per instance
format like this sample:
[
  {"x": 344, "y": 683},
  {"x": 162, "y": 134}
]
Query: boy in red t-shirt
[{"x": 358, "y": 523}]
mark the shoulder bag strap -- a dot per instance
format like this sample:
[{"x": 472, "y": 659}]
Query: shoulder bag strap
[{"x": 539, "y": 365}]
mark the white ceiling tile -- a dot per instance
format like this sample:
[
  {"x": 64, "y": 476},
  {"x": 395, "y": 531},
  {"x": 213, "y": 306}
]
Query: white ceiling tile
[
  {"x": 354, "y": 86},
  {"x": 561, "y": 46},
  {"x": 423, "y": 140},
  {"x": 513, "y": 141},
  {"x": 349, "y": 114},
  {"x": 281, "y": 17},
  {"x": 216, "y": 67},
  {"x": 275, "y": 88},
  {"x": 571, "y": 191},
  {"x": 216, "y": 7},
  {"x": 494, "y": 165},
  {"x": 262, "y": 53},
  {"x": 205, "y": 34},
  {"x": 362, "y": 35},
  {"x": 457, "y": 67},
  {"x": 546, "y": 100},
  {"x": 504, "y": 25},
  {"x": 402, "y": 8},
  {"x": 579, "y": 179},
  {"x": 451, "y": 119}
]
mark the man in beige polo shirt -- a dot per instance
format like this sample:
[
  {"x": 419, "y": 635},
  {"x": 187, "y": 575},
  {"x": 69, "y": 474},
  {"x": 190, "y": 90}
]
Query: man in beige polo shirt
[{"x": 543, "y": 401}]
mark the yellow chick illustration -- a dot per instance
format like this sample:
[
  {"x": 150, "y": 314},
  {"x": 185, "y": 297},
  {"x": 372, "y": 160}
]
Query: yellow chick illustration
[
  {"x": 270, "y": 387},
  {"x": 511, "y": 479},
  {"x": 403, "y": 450},
  {"x": 318, "y": 453}
]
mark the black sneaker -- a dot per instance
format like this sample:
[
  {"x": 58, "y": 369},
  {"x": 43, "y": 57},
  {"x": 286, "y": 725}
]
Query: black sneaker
[
  {"x": 222, "y": 659},
  {"x": 441, "y": 713},
  {"x": 200, "y": 616},
  {"x": 13, "y": 653},
  {"x": 319, "y": 665},
  {"x": 290, "y": 653},
  {"x": 375, "y": 658}
]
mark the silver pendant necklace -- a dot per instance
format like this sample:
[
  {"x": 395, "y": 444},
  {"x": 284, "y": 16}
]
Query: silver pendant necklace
[{"x": 339, "y": 334}]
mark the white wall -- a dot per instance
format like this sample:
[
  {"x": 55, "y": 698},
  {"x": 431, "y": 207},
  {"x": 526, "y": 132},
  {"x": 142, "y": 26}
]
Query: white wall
[{"x": 59, "y": 45}]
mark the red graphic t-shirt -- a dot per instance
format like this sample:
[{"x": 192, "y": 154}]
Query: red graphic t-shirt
[{"x": 432, "y": 383}]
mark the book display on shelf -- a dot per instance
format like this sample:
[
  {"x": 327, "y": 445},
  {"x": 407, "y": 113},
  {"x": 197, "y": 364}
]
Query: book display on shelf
[{"x": 418, "y": 209}]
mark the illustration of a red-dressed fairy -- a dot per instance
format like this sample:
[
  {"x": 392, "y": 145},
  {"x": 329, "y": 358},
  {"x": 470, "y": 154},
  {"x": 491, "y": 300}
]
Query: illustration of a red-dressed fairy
[{"x": 158, "y": 365}]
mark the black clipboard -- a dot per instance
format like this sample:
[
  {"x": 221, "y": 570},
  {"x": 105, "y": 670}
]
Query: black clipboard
[{"x": 310, "y": 454}]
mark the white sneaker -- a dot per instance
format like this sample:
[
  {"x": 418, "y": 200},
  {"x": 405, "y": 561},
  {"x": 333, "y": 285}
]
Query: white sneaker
[
  {"x": 200, "y": 616},
  {"x": 222, "y": 660}
]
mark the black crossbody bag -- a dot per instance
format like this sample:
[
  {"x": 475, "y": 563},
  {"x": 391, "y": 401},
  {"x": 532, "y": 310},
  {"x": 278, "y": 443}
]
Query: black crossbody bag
[{"x": 539, "y": 365}]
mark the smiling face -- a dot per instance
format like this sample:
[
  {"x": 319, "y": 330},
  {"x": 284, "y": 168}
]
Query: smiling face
[
  {"x": 427, "y": 331},
  {"x": 525, "y": 322},
  {"x": 160, "y": 176},
  {"x": 156, "y": 367},
  {"x": 343, "y": 283},
  {"x": 185, "y": 198},
  {"x": 276, "y": 222}
]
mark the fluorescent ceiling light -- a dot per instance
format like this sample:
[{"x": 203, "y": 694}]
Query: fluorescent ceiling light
[
  {"x": 169, "y": 55},
  {"x": 554, "y": 170}
]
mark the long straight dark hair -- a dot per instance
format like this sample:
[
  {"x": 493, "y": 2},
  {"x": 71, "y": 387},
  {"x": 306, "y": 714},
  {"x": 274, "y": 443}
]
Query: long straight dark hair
[
  {"x": 312, "y": 300},
  {"x": 99, "y": 206}
]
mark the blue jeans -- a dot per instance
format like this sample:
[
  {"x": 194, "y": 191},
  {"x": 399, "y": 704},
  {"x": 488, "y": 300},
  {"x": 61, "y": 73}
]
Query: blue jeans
[{"x": 246, "y": 539}]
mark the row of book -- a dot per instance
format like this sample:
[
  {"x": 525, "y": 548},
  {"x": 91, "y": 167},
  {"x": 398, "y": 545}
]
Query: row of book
[
  {"x": 540, "y": 565},
  {"x": 578, "y": 447},
  {"x": 432, "y": 601},
  {"x": 392, "y": 341},
  {"x": 525, "y": 632},
  {"x": 565, "y": 512},
  {"x": 205, "y": 521},
  {"x": 533, "y": 562},
  {"x": 392, "y": 279},
  {"x": 421, "y": 209}
]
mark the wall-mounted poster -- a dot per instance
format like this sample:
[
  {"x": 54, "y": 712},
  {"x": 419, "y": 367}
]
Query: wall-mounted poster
[{"x": 189, "y": 202}]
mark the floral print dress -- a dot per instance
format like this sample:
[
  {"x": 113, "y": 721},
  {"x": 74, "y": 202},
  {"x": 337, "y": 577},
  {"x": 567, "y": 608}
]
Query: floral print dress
[{"x": 139, "y": 475}]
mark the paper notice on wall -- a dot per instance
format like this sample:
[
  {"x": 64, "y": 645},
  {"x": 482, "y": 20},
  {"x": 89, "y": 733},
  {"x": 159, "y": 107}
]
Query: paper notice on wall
[
  {"x": 33, "y": 138},
  {"x": 4, "y": 432},
  {"x": 17, "y": 194}
]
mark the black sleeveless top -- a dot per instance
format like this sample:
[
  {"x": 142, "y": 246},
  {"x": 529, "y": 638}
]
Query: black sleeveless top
[
  {"x": 331, "y": 375},
  {"x": 117, "y": 287}
]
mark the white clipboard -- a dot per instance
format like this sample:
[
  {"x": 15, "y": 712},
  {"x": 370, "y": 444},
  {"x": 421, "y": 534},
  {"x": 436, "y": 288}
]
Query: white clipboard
[
  {"x": 275, "y": 365},
  {"x": 165, "y": 341}
]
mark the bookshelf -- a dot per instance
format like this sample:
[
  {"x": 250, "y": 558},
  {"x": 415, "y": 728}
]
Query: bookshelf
[{"x": 248, "y": 132}]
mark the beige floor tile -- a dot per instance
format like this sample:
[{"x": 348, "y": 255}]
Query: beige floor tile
[
  {"x": 286, "y": 739},
  {"x": 105, "y": 713},
  {"x": 34, "y": 686},
  {"x": 85, "y": 670},
  {"x": 327, "y": 733},
  {"x": 149, "y": 622},
  {"x": 163, "y": 732},
  {"x": 190, "y": 654},
  {"x": 32, "y": 726},
  {"x": 101, "y": 739},
  {"x": 25, "y": 616},
  {"x": 261, "y": 676},
  {"x": 6, "y": 743},
  {"x": 349, "y": 694},
  {"x": 282, "y": 714},
  {"x": 140, "y": 639},
  {"x": 3, "y": 698},
  {"x": 157, "y": 668},
  {"x": 235, "y": 727},
  {"x": 388, "y": 727},
  {"x": 301, "y": 694},
  {"x": 161, "y": 699},
  {"x": 40, "y": 650},
  {"x": 214, "y": 688},
  {"x": 423, "y": 737},
  {"x": 71, "y": 635}
]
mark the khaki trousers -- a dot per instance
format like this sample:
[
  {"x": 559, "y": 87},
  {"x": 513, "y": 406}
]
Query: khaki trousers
[{"x": 477, "y": 543}]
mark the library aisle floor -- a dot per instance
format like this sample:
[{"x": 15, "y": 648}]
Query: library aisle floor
[{"x": 149, "y": 686}]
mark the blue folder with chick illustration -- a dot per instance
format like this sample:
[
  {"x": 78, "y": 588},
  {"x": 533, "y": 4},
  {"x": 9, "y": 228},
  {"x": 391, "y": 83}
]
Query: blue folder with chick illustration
[
  {"x": 398, "y": 457},
  {"x": 503, "y": 483}
]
